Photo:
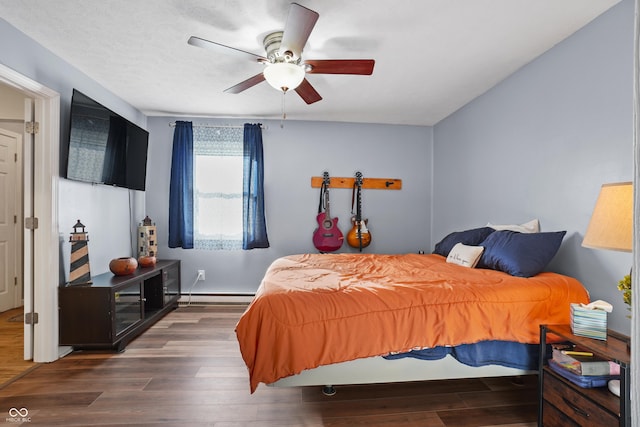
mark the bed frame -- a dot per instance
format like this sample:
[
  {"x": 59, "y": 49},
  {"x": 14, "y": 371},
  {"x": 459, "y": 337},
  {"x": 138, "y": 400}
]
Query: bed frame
[{"x": 373, "y": 370}]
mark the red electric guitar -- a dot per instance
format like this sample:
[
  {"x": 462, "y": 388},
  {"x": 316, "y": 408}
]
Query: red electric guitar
[{"x": 327, "y": 237}]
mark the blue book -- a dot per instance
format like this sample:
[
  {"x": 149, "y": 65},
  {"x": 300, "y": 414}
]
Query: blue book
[{"x": 584, "y": 381}]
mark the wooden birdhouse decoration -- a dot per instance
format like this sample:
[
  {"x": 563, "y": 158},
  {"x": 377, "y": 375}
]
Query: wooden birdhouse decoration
[
  {"x": 79, "y": 273},
  {"x": 147, "y": 239}
]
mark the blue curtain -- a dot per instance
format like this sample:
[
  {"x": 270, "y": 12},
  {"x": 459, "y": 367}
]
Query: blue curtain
[
  {"x": 254, "y": 233},
  {"x": 181, "y": 188}
]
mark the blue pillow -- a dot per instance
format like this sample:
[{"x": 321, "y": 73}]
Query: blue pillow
[
  {"x": 471, "y": 237},
  {"x": 520, "y": 254}
]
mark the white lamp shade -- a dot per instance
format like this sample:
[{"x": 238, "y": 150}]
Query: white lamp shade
[
  {"x": 284, "y": 76},
  {"x": 611, "y": 225}
]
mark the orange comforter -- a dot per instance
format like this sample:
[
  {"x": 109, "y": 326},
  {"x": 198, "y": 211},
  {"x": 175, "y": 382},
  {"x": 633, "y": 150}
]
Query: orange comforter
[{"x": 317, "y": 309}]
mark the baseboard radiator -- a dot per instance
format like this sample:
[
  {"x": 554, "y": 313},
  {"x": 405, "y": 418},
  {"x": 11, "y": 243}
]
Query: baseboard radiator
[{"x": 214, "y": 299}]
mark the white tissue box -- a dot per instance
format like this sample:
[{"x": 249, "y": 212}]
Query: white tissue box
[{"x": 591, "y": 323}]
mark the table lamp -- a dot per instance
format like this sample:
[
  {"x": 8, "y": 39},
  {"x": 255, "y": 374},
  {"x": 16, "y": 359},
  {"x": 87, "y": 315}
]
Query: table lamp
[{"x": 611, "y": 227}]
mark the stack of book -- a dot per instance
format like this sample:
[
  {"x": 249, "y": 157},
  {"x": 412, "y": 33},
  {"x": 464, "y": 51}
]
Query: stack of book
[
  {"x": 582, "y": 367},
  {"x": 591, "y": 323}
]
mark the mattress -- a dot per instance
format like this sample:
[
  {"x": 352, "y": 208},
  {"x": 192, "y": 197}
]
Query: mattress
[{"x": 318, "y": 309}]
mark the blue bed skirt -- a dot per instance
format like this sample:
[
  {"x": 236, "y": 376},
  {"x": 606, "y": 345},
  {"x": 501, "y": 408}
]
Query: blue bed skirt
[{"x": 503, "y": 353}]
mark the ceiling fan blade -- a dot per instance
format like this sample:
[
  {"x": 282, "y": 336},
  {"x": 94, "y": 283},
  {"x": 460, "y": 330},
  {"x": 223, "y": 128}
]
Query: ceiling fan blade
[
  {"x": 217, "y": 47},
  {"x": 341, "y": 66},
  {"x": 250, "y": 82},
  {"x": 307, "y": 92},
  {"x": 297, "y": 29}
]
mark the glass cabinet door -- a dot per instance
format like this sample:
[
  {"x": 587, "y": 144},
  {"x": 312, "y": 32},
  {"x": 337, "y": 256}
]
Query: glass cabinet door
[
  {"x": 171, "y": 283},
  {"x": 128, "y": 308}
]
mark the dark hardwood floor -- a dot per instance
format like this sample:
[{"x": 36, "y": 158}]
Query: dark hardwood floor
[{"x": 187, "y": 370}]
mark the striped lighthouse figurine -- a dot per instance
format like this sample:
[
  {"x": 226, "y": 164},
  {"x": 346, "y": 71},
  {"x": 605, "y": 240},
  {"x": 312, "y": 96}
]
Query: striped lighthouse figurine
[{"x": 79, "y": 273}]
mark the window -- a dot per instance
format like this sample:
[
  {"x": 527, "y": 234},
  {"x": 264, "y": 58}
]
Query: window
[{"x": 217, "y": 187}]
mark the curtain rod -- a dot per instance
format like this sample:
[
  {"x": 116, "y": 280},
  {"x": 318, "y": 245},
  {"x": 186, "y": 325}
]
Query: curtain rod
[{"x": 206, "y": 125}]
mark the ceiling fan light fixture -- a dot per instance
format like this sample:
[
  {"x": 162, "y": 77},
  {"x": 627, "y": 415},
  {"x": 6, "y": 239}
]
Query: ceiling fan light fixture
[{"x": 284, "y": 76}]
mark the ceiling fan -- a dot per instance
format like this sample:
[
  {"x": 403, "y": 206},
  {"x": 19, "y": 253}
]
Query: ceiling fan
[{"x": 284, "y": 67}]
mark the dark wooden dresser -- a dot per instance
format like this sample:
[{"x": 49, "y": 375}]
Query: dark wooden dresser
[{"x": 113, "y": 310}]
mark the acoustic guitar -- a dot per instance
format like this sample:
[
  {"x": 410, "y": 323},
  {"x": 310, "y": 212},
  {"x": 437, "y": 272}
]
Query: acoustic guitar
[
  {"x": 359, "y": 236},
  {"x": 327, "y": 237}
]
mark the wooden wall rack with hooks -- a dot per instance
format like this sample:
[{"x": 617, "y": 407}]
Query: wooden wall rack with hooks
[{"x": 369, "y": 183}]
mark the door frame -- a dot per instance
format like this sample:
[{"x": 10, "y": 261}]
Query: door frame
[{"x": 41, "y": 259}]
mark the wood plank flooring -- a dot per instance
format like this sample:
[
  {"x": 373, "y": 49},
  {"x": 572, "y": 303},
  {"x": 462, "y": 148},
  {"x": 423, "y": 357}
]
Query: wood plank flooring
[
  {"x": 12, "y": 363},
  {"x": 187, "y": 370}
]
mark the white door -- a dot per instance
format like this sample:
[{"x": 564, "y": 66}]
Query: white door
[{"x": 10, "y": 247}]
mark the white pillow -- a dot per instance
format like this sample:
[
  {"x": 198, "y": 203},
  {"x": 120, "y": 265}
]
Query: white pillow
[
  {"x": 532, "y": 226},
  {"x": 464, "y": 255}
]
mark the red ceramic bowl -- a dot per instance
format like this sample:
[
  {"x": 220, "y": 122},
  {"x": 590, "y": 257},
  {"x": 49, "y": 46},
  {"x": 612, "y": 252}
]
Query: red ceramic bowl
[
  {"x": 146, "y": 261},
  {"x": 123, "y": 266}
]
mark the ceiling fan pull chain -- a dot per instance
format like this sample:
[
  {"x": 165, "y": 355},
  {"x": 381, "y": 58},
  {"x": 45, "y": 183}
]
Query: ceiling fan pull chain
[{"x": 284, "y": 115}]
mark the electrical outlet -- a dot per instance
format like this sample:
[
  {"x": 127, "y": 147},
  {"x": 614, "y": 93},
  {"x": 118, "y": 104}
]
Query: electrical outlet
[{"x": 200, "y": 274}]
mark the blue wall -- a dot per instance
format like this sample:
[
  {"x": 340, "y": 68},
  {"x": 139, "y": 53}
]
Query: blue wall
[
  {"x": 398, "y": 220},
  {"x": 540, "y": 145}
]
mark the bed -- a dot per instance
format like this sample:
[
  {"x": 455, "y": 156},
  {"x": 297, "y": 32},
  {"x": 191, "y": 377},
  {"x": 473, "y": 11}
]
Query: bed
[{"x": 347, "y": 318}]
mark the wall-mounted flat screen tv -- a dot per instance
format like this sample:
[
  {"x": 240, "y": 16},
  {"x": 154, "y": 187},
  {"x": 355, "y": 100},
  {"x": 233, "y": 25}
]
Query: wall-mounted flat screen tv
[{"x": 105, "y": 148}]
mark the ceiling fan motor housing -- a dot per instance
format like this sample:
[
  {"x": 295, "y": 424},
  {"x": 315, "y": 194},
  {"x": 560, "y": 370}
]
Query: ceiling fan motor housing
[{"x": 272, "y": 44}]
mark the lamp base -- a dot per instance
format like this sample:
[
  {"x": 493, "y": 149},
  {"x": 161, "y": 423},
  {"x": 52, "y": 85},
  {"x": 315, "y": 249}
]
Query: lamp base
[{"x": 614, "y": 387}]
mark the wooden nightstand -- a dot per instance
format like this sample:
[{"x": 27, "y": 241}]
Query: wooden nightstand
[{"x": 562, "y": 403}]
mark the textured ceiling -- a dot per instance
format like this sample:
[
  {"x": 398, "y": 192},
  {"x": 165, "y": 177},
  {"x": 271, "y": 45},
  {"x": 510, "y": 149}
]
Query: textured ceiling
[{"x": 432, "y": 56}]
